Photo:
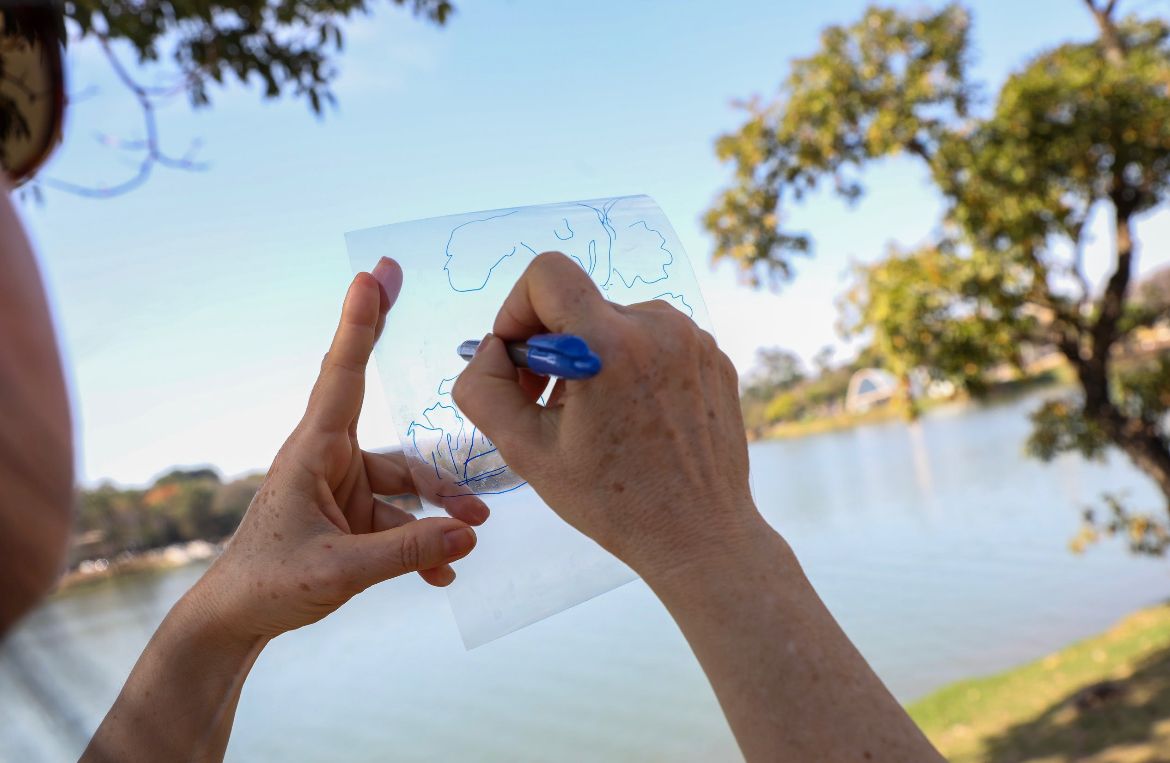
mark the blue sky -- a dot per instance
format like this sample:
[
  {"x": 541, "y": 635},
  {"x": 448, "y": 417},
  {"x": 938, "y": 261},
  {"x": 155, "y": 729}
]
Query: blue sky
[{"x": 194, "y": 311}]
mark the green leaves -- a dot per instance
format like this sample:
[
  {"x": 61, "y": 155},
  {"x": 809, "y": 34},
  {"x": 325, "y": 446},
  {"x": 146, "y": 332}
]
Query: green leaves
[
  {"x": 1143, "y": 389},
  {"x": 1060, "y": 426},
  {"x": 287, "y": 46},
  {"x": 179, "y": 507},
  {"x": 931, "y": 309},
  {"x": 1144, "y": 533},
  {"x": 1068, "y": 131},
  {"x": 1079, "y": 126},
  {"x": 890, "y": 83}
]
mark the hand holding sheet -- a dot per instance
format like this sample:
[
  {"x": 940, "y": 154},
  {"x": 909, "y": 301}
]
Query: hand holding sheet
[{"x": 457, "y": 272}]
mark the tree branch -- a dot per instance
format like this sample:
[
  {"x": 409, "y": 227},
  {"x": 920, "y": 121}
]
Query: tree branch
[
  {"x": 1104, "y": 331},
  {"x": 919, "y": 149},
  {"x": 146, "y": 96},
  {"x": 1110, "y": 39},
  {"x": 1078, "y": 272}
]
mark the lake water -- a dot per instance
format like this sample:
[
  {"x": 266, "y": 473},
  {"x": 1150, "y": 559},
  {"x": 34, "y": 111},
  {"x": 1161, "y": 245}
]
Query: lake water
[{"x": 942, "y": 550}]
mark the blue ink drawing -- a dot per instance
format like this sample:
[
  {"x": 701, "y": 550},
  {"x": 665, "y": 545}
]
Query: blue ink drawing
[
  {"x": 630, "y": 261},
  {"x": 464, "y": 461}
]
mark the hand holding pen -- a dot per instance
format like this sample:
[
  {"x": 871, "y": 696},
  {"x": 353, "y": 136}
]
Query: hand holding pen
[{"x": 562, "y": 355}]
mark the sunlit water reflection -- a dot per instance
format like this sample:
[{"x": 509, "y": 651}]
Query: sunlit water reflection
[{"x": 941, "y": 549}]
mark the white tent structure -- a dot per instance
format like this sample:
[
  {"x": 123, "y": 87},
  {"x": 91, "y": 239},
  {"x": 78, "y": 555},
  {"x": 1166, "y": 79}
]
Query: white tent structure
[{"x": 869, "y": 387}]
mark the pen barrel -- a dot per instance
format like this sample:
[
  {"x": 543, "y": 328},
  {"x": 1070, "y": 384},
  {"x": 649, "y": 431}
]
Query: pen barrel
[{"x": 518, "y": 352}]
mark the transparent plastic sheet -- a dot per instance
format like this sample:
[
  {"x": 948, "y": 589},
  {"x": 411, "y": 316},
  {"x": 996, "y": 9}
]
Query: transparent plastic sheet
[{"x": 528, "y": 564}]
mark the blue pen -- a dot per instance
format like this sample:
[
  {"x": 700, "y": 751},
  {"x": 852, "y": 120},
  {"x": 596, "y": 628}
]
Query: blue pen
[{"x": 562, "y": 355}]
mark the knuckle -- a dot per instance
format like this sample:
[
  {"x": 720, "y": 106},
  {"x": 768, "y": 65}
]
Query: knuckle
[
  {"x": 729, "y": 369},
  {"x": 410, "y": 552},
  {"x": 339, "y": 363},
  {"x": 566, "y": 273},
  {"x": 327, "y": 576},
  {"x": 630, "y": 340},
  {"x": 677, "y": 330},
  {"x": 549, "y": 264},
  {"x": 650, "y": 304},
  {"x": 460, "y": 392}
]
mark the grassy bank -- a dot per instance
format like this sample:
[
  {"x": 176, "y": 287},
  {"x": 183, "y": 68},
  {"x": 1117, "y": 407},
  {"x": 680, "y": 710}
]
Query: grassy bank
[
  {"x": 788, "y": 429},
  {"x": 1105, "y": 699}
]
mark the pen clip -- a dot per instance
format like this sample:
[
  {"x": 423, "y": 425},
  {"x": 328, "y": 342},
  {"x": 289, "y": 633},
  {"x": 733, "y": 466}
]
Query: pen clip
[{"x": 562, "y": 355}]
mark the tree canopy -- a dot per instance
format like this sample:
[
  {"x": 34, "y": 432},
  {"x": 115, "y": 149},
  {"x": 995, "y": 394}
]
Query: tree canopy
[
  {"x": 288, "y": 47},
  {"x": 180, "y": 506},
  {"x": 1081, "y": 128}
]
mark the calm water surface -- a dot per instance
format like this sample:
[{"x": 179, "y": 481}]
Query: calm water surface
[{"x": 939, "y": 547}]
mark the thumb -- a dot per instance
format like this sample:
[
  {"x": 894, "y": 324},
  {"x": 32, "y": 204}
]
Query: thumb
[
  {"x": 414, "y": 546},
  {"x": 490, "y": 393}
]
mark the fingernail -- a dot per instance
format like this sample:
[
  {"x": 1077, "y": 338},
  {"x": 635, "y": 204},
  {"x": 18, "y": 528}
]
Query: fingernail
[
  {"x": 381, "y": 270},
  {"x": 389, "y": 277},
  {"x": 483, "y": 343},
  {"x": 458, "y": 542}
]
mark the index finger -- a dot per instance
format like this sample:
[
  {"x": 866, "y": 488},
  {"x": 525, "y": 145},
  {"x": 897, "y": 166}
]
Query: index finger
[{"x": 554, "y": 294}]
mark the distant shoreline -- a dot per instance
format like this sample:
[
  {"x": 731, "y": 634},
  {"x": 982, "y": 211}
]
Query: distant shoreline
[
  {"x": 96, "y": 570},
  {"x": 93, "y": 571},
  {"x": 787, "y": 430}
]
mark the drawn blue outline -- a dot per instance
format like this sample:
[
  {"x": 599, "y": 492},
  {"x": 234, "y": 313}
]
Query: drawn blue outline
[
  {"x": 680, "y": 298},
  {"x": 603, "y": 218},
  {"x": 453, "y": 446},
  {"x": 665, "y": 273},
  {"x": 534, "y": 253},
  {"x": 454, "y": 442},
  {"x": 482, "y": 492},
  {"x": 487, "y": 276}
]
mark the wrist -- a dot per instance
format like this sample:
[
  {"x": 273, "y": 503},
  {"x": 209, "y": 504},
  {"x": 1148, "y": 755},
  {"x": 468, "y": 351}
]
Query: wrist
[
  {"x": 206, "y": 609},
  {"x": 721, "y": 542}
]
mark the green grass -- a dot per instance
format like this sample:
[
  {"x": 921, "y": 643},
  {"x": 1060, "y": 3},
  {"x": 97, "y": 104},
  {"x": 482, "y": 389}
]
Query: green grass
[
  {"x": 1103, "y": 699},
  {"x": 834, "y": 423}
]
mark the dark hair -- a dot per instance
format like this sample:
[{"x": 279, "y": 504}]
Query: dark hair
[{"x": 32, "y": 85}]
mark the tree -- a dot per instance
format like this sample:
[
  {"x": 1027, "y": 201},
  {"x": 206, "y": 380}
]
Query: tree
[
  {"x": 1081, "y": 128},
  {"x": 776, "y": 371},
  {"x": 929, "y": 309},
  {"x": 777, "y": 368},
  {"x": 823, "y": 360},
  {"x": 1153, "y": 291},
  {"x": 182, "y": 505},
  {"x": 287, "y": 46}
]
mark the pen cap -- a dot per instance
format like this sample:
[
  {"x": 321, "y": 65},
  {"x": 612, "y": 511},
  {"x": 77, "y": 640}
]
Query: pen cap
[{"x": 563, "y": 355}]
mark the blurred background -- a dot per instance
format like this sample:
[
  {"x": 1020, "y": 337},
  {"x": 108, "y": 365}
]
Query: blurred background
[{"x": 933, "y": 239}]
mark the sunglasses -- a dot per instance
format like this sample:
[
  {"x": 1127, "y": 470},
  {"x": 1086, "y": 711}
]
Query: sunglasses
[{"x": 32, "y": 86}]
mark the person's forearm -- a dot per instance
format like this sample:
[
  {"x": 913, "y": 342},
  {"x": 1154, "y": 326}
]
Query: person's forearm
[
  {"x": 180, "y": 699},
  {"x": 792, "y": 685}
]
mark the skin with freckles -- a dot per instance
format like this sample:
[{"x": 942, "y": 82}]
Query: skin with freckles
[
  {"x": 659, "y": 428},
  {"x": 316, "y": 534},
  {"x": 649, "y": 458}
]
